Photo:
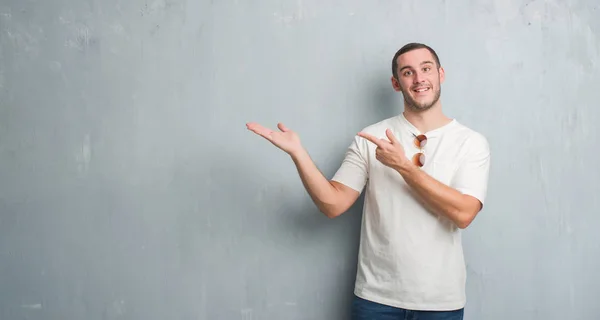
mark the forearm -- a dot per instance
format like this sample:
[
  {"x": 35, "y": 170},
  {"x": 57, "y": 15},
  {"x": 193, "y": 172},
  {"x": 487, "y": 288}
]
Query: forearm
[
  {"x": 321, "y": 191},
  {"x": 440, "y": 197}
]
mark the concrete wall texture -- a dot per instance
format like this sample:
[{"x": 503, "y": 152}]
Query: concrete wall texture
[{"x": 131, "y": 189}]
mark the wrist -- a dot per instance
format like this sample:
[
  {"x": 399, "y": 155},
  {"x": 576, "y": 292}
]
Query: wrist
[
  {"x": 405, "y": 167},
  {"x": 298, "y": 154}
]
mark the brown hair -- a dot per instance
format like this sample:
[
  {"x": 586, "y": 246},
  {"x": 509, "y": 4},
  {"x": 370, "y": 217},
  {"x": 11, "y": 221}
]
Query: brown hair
[{"x": 409, "y": 47}]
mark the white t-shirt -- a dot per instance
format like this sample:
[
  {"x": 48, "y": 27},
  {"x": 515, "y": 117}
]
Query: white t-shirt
[{"x": 408, "y": 256}]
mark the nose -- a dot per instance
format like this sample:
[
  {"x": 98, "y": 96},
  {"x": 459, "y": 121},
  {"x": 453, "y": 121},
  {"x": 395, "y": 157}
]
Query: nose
[{"x": 419, "y": 77}]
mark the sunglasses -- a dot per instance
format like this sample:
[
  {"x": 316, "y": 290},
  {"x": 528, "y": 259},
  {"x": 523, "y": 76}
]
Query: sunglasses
[{"x": 419, "y": 157}]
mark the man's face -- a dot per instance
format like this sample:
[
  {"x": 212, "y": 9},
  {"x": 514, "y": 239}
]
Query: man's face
[{"x": 419, "y": 79}]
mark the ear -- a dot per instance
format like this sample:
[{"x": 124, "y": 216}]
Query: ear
[
  {"x": 395, "y": 84},
  {"x": 442, "y": 74}
]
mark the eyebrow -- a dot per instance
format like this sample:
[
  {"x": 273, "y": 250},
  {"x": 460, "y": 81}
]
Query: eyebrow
[{"x": 422, "y": 63}]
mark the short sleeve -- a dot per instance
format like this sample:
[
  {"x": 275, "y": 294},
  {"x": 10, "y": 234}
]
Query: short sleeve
[
  {"x": 353, "y": 171},
  {"x": 473, "y": 173}
]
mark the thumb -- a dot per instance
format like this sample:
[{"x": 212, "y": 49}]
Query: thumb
[
  {"x": 391, "y": 136},
  {"x": 282, "y": 127}
]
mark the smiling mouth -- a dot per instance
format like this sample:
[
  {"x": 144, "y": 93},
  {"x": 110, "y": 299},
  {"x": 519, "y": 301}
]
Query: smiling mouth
[{"x": 421, "y": 90}]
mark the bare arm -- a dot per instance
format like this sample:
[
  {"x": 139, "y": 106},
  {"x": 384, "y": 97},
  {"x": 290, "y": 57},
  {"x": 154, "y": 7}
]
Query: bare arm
[
  {"x": 458, "y": 207},
  {"x": 445, "y": 200},
  {"x": 332, "y": 198}
]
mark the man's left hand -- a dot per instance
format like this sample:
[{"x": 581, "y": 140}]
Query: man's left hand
[{"x": 389, "y": 152}]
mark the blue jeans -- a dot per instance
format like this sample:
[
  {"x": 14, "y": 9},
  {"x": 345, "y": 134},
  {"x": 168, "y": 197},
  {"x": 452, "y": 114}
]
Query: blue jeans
[{"x": 367, "y": 310}]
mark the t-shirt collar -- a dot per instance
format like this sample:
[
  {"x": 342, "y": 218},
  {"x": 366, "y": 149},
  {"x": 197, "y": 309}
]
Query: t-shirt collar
[{"x": 435, "y": 132}]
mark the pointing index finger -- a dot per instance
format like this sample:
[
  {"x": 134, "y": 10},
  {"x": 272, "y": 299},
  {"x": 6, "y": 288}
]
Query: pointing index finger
[{"x": 370, "y": 138}]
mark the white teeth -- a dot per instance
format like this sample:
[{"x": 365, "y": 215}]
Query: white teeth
[{"x": 422, "y": 90}]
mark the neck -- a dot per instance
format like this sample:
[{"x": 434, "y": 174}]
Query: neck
[{"x": 427, "y": 120}]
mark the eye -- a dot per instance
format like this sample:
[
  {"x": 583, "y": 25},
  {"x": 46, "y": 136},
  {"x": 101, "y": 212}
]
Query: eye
[
  {"x": 407, "y": 73},
  {"x": 426, "y": 69}
]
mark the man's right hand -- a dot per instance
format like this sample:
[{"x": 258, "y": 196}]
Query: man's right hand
[
  {"x": 331, "y": 197},
  {"x": 286, "y": 140}
]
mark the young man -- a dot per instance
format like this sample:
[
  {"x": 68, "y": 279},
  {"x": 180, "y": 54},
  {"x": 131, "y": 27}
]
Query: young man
[{"x": 426, "y": 178}]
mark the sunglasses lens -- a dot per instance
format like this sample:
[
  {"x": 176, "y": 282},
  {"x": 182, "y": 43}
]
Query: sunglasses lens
[
  {"x": 419, "y": 159},
  {"x": 420, "y": 141}
]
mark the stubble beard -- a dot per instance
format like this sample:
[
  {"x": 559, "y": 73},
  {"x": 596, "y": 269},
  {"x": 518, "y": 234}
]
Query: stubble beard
[{"x": 420, "y": 107}]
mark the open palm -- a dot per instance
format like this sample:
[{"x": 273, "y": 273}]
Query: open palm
[{"x": 286, "y": 139}]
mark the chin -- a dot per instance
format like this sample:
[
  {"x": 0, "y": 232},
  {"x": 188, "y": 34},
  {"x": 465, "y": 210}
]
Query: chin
[
  {"x": 423, "y": 104},
  {"x": 420, "y": 106}
]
